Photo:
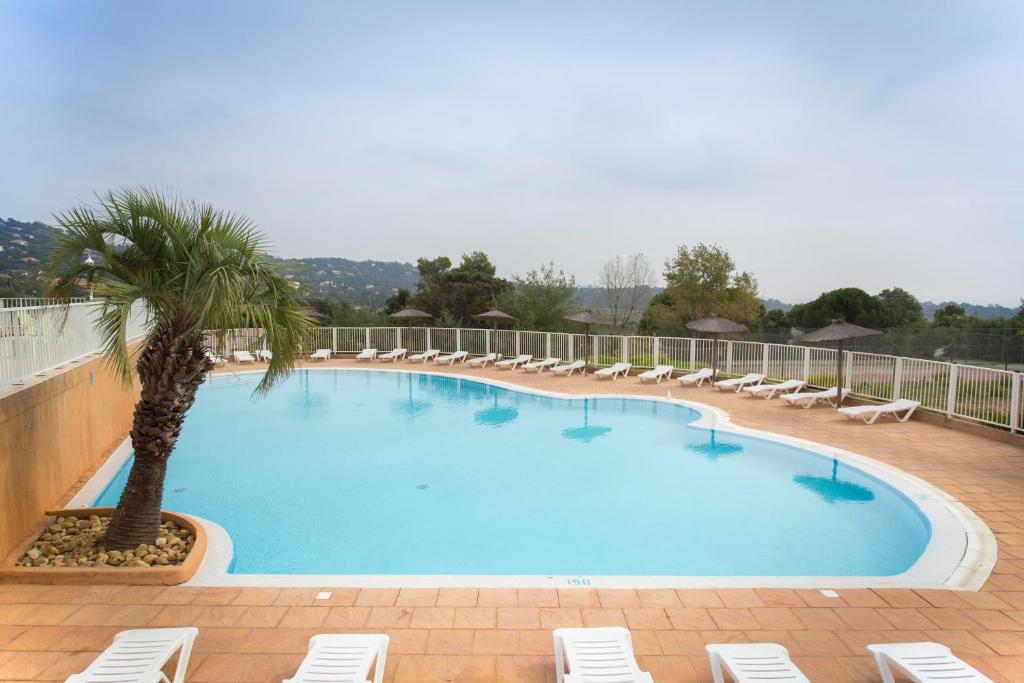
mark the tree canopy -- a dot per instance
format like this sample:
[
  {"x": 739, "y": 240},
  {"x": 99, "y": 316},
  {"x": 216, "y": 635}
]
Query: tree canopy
[
  {"x": 457, "y": 294},
  {"x": 541, "y": 298},
  {"x": 851, "y": 304}
]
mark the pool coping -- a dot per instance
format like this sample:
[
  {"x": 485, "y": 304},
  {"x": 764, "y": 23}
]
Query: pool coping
[{"x": 960, "y": 554}]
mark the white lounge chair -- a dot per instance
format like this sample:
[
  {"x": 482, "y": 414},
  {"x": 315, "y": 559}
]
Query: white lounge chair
[
  {"x": 753, "y": 663},
  {"x": 138, "y": 656},
  {"x": 737, "y": 383},
  {"x": 429, "y": 354},
  {"x": 769, "y": 391},
  {"x": 570, "y": 368},
  {"x": 394, "y": 355},
  {"x": 452, "y": 358},
  {"x": 264, "y": 355},
  {"x": 343, "y": 658},
  {"x": 697, "y": 378},
  {"x": 217, "y": 360},
  {"x": 482, "y": 361},
  {"x": 243, "y": 357},
  {"x": 806, "y": 399},
  {"x": 657, "y": 374},
  {"x": 513, "y": 363},
  {"x": 924, "y": 663},
  {"x": 594, "y": 655},
  {"x": 614, "y": 371},
  {"x": 366, "y": 354},
  {"x": 320, "y": 354},
  {"x": 539, "y": 365},
  {"x": 870, "y": 413}
]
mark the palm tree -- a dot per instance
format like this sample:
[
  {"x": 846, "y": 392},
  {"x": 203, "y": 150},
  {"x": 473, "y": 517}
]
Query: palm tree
[{"x": 195, "y": 269}]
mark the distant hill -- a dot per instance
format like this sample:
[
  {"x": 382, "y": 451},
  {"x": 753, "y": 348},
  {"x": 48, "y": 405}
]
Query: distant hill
[
  {"x": 365, "y": 283},
  {"x": 776, "y": 305},
  {"x": 23, "y": 248},
  {"x": 978, "y": 311}
]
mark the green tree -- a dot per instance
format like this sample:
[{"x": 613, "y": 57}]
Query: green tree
[
  {"x": 541, "y": 298},
  {"x": 850, "y": 304},
  {"x": 952, "y": 315},
  {"x": 398, "y": 301},
  {"x": 774, "y": 320},
  {"x": 904, "y": 310},
  {"x": 457, "y": 294},
  {"x": 196, "y": 269},
  {"x": 701, "y": 281}
]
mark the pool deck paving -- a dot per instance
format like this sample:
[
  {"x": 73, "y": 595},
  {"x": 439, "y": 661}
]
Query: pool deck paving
[{"x": 504, "y": 634}]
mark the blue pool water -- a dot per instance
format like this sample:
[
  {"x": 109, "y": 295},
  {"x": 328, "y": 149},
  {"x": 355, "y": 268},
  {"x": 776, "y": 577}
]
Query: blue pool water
[{"x": 404, "y": 473}]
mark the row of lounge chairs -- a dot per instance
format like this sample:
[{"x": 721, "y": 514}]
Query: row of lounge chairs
[{"x": 582, "y": 655}]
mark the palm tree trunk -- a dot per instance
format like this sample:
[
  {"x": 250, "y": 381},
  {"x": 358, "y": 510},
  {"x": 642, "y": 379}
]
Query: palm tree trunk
[{"x": 171, "y": 367}]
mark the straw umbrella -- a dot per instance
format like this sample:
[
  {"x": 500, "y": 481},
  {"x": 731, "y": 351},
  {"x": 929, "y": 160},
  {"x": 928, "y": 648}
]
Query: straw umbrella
[
  {"x": 410, "y": 314},
  {"x": 715, "y": 326},
  {"x": 839, "y": 331},
  {"x": 494, "y": 316},
  {"x": 587, "y": 318}
]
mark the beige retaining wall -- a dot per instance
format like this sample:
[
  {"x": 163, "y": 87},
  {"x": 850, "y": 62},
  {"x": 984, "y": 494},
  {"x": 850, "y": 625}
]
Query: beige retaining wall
[{"x": 53, "y": 432}]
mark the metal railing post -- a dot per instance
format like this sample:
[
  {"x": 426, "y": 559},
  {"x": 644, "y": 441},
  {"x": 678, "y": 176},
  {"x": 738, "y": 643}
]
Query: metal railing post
[
  {"x": 458, "y": 338},
  {"x": 897, "y": 379},
  {"x": 398, "y": 337},
  {"x": 570, "y": 346},
  {"x": 625, "y": 349},
  {"x": 951, "y": 394},
  {"x": 547, "y": 345},
  {"x": 657, "y": 353},
  {"x": 334, "y": 340},
  {"x": 728, "y": 356},
  {"x": 428, "y": 339},
  {"x": 693, "y": 353},
  {"x": 367, "y": 345},
  {"x": 764, "y": 360},
  {"x": 807, "y": 364},
  {"x": 487, "y": 342},
  {"x": 1015, "y": 391}
]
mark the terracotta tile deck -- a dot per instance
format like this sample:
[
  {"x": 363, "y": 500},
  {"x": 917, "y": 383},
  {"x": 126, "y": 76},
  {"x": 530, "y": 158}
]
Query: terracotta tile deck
[{"x": 260, "y": 634}]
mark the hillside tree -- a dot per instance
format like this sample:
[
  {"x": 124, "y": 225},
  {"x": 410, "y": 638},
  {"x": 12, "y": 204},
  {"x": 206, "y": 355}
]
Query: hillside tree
[{"x": 626, "y": 282}]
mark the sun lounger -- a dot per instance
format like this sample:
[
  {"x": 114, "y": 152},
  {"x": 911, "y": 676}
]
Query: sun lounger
[
  {"x": 737, "y": 384},
  {"x": 343, "y": 658},
  {"x": 320, "y": 354},
  {"x": 265, "y": 355},
  {"x": 138, "y": 656},
  {"x": 394, "y": 355},
  {"x": 753, "y": 663},
  {"x": 539, "y": 365},
  {"x": 243, "y": 357},
  {"x": 513, "y": 363},
  {"x": 452, "y": 358},
  {"x": 613, "y": 371},
  {"x": 806, "y": 399},
  {"x": 924, "y": 663},
  {"x": 594, "y": 655},
  {"x": 217, "y": 360},
  {"x": 429, "y": 354},
  {"x": 870, "y": 413},
  {"x": 657, "y": 374},
  {"x": 482, "y": 361},
  {"x": 769, "y": 391},
  {"x": 366, "y": 354},
  {"x": 570, "y": 368},
  {"x": 696, "y": 378}
]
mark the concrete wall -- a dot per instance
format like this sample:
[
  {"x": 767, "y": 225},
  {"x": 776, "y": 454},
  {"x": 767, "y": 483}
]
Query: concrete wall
[{"x": 53, "y": 432}]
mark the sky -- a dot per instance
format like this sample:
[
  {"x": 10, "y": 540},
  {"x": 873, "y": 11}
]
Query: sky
[{"x": 823, "y": 144}]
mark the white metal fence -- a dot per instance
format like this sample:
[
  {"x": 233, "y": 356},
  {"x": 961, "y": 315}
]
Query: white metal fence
[{"x": 38, "y": 338}]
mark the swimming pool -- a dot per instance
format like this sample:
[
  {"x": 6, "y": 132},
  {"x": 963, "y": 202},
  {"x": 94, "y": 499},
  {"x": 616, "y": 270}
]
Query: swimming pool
[{"x": 404, "y": 473}]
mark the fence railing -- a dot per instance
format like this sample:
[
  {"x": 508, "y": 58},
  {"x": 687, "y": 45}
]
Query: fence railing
[
  {"x": 27, "y": 301},
  {"x": 36, "y": 339},
  {"x": 987, "y": 395}
]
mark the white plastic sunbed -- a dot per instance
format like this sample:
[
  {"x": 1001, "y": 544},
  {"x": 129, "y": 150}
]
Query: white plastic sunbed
[
  {"x": 539, "y": 365},
  {"x": 429, "y": 354},
  {"x": 343, "y": 658},
  {"x": 594, "y": 655},
  {"x": 217, "y": 360},
  {"x": 243, "y": 357},
  {"x": 924, "y": 663},
  {"x": 320, "y": 354},
  {"x": 696, "y": 378},
  {"x": 482, "y": 361},
  {"x": 452, "y": 358},
  {"x": 737, "y": 384},
  {"x": 870, "y": 413},
  {"x": 138, "y": 656},
  {"x": 513, "y": 363},
  {"x": 753, "y": 663},
  {"x": 659, "y": 373},
  {"x": 366, "y": 354},
  {"x": 394, "y": 355},
  {"x": 263, "y": 354},
  {"x": 614, "y": 371},
  {"x": 570, "y": 368},
  {"x": 806, "y": 399},
  {"x": 769, "y": 391}
]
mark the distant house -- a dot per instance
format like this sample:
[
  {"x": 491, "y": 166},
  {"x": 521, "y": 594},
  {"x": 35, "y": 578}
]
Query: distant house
[
  {"x": 29, "y": 259},
  {"x": 20, "y": 242}
]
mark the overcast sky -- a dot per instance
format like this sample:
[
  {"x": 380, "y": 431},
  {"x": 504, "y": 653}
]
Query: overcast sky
[{"x": 824, "y": 144}]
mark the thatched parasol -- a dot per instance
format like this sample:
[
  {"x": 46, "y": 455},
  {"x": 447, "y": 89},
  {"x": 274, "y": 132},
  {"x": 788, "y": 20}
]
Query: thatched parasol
[
  {"x": 587, "y": 318},
  {"x": 410, "y": 314},
  {"x": 715, "y": 326},
  {"x": 495, "y": 316},
  {"x": 838, "y": 332}
]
